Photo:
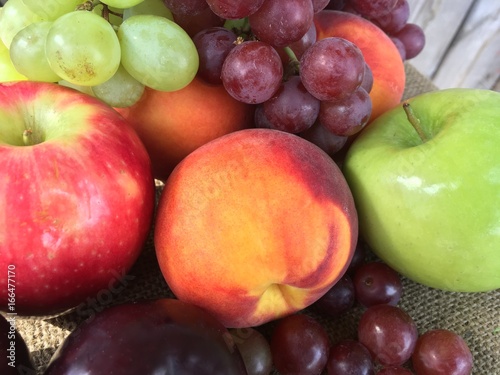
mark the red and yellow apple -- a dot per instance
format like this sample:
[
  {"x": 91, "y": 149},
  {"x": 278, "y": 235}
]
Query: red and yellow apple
[
  {"x": 173, "y": 124},
  {"x": 255, "y": 225},
  {"x": 76, "y": 197},
  {"x": 379, "y": 52}
]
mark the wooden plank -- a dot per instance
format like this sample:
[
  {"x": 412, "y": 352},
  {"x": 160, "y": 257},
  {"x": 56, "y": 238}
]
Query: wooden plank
[
  {"x": 441, "y": 21},
  {"x": 473, "y": 59}
]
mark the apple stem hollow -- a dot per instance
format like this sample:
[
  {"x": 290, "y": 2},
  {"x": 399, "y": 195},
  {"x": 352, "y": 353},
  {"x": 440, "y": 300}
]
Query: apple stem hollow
[
  {"x": 28, "y": 137},
  {"x": 414, "y": 121}
]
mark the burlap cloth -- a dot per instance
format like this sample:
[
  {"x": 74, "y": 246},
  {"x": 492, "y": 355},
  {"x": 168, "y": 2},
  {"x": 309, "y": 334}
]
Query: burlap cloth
[{"x": 476, "y": 317}]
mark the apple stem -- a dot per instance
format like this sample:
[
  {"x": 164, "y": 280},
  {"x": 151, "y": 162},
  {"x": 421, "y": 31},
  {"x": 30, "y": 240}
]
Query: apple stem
[
  {"x": 414, "y": 121},
  {"x": 28, "y": 137}
]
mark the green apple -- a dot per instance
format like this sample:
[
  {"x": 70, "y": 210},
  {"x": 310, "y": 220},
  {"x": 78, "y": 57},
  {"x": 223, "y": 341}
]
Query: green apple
[{"x": 430, "y": 207}]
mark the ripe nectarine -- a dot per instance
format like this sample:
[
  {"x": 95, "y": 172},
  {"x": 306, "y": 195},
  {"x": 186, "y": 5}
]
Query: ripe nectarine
[
  {"x": 173, "y": 124},
  {"x": 255, "y": 225}
]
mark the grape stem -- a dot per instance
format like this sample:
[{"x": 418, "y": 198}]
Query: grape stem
[
  {"x": 293, "y": 67},
  {"x": 414, "y": 121}
]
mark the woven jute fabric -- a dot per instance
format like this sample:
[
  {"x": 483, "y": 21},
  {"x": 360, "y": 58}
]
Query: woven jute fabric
[{"x": 474, "y": 316}]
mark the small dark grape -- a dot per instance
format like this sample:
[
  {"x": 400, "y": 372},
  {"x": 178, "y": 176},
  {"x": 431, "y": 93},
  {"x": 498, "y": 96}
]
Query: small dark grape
[
  {"x": 377, "y": 283},
  {"x": 339, "y": 299},
  {"x": 319, "y": 5},
  {"x": 442, "y": 352},
  {"x": 324, "y": 139},
  {"x": 186, "y": 7},
  {"x": 213, "y": 45},
  {"x": 292, "y": 109},
  {"x": 400, "y": 47},
  {"x": 349, "y": 357},
  {"x": 359, "y": 257},
  {"x": 307, "y": 40},
  {"x": 395, "y": 20},
  {"x": 373, "y": 8},
  {"x": 413, "y": 38},
  {"x": 336, "y": 4},
  {"x": 389, "y": 333},
  {"x": 194, "y": 23},
  {"x": 348, "y": 115},
  {"x": 367, "y": 83},
  {"x": 299, "y": 345}
]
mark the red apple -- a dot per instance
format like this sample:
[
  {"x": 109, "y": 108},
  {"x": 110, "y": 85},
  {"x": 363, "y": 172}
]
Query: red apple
[{"x": 76, "y": 197}]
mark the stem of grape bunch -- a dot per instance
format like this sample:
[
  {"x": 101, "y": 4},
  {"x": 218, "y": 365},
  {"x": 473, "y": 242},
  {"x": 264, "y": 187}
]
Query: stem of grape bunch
[
  {"x": 293, "y": 66},
  {"x": 414, "y": 121},
  {"x": 89, "y": 5}
]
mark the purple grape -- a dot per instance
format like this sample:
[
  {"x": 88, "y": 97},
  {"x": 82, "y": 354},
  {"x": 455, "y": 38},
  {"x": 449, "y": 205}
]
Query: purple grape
[
  {"x": 389, "y": 333},
  {"x": 395, "y": 20},
  {"x": 400, "y": 47},
  {"x": 348, "y": 115},
  {"x": 442, "y": 352},
  {"x": 339, "y": 299},
  {"x": 213, "y": 45},
  {"x": 186, "y": 7},
  {"x": 319, "y": 5},
  {"x": 349, "y": 357},
  {"x": 299, "y": 345},
  {"x": 324, "y": 139},
  {"x": 377, "y": 283},
  {"x": 281, "y": 22},
  {"x": 234, "y": 9},
  {"x": 292, "y": 109},
  {"x": 413, "y": 38},
  {"x": 332, "y": 68},
  {"x": 367, "y": 83},
  {"x": 252, "y": 72},
  {"x": 373, "y": 8},
  {"x": 307, "y": 40}
]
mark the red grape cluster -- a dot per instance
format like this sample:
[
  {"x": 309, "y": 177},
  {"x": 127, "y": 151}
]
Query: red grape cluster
[
  {"x": 392, "y": 17},
  {"x": 265, "y": 53},
  {"x": 387, "y": 343}
]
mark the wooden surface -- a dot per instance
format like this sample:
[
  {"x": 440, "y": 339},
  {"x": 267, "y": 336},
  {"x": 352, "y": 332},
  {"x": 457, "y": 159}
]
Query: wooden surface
[{"x": 462, "y": 42}]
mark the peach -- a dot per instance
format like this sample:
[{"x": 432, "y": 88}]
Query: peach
[
  {"x": 254, "y": 226},
  {"x": 379, "y": 52},
  {"x": 173, "y": 124}
]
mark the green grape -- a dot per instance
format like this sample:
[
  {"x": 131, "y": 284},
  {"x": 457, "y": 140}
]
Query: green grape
[
  {"x": 8, "y": 71},
  {"x": 121, "y": 90},
  {"x": 14, "y": 17},
  {"x": 157, "y": 52},
  {"x": 114, "y": 19},
  {"x": 153, "y": 7},
  {"x": 52, "y": 9},
  {"x": 82, "y": 48},
  {"x": 27, "y": 52},
  {"x": 123, "y": 4}
]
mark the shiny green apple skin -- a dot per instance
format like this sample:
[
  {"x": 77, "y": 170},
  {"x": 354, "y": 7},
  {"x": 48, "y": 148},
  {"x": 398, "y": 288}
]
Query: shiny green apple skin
[{"x": 432, "y": 210}]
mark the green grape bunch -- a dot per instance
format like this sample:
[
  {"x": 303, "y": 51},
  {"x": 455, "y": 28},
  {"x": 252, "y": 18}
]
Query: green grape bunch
[{"x": 111, "y": 49}]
